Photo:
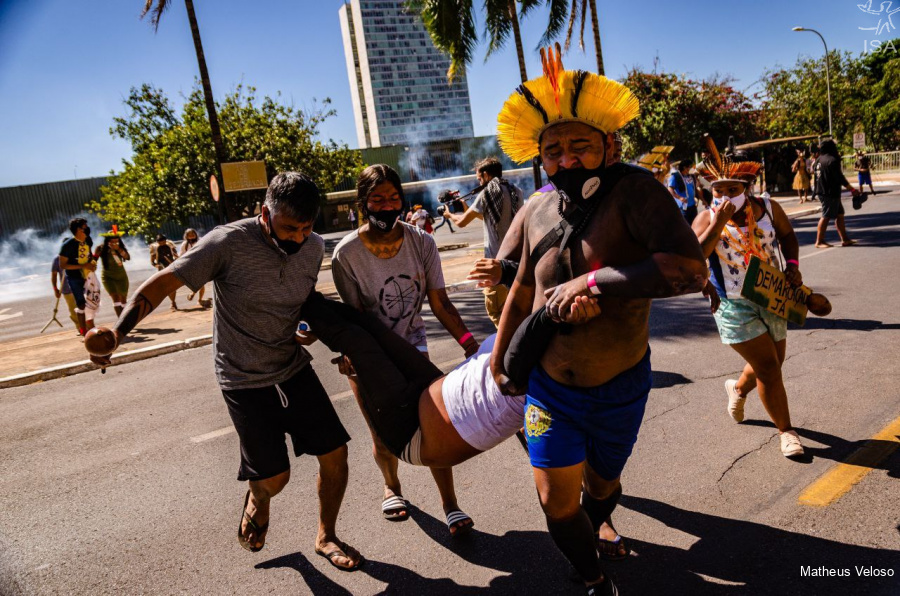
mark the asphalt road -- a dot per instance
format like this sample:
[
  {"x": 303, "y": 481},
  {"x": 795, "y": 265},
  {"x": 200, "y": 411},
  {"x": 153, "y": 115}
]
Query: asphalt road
[{"x": 125, "y": 483}]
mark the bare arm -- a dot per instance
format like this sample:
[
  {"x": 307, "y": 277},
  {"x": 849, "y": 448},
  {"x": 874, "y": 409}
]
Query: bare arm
[
  {"x": 490, "y": 272},
  {"x": 449, "y": 317},
  {"x": 65, "y": 265},
  {"x": 709, "y": 224},
  {"x": 53, "y": 277},
  {"x": 465, "y": 219},
  {"x": 790, "y": 246},
  {"x": 147, "y": 298}
]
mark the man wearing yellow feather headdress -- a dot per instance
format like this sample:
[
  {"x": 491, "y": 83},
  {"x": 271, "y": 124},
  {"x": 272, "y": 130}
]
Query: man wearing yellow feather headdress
[{"x": 606, "y": 233}]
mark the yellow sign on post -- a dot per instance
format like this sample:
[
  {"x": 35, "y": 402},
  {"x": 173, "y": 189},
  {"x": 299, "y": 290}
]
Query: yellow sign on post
[
  {"x": 244, "y": 175},
  {"x": 766, "y": 286}
]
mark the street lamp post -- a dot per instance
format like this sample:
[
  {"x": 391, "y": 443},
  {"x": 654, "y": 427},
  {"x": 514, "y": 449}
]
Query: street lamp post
[{"x": 827, "y": 74}]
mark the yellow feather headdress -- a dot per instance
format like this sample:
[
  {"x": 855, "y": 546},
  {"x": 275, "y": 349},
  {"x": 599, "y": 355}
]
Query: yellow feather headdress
[
  {"x": 561, "y": 96},
  {"x": 725, "y": 169}
]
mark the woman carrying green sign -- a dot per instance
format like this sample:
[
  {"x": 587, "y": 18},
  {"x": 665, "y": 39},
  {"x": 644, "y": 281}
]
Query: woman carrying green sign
[{"x": 736, "y": 228}]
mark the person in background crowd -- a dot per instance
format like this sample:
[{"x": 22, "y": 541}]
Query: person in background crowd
[
  {"x": 76, "y": 260},
  {"x": 496, "y": 205},
  {"x": 389, "y": 268},
  {"x": 113, "y": 254},
  {"x": 811, "y": 168},
  {"x": 163, "y": 254},
  {"x": 444, "y": 200},
  {"x": 829, "y": 180},
  {"x": 418, "y": 217},
  {"x": 801, "y": 177},
  {"x": 683, "y": 188},
  {"x": 63, "y": 291},
  {"x": 351, "y": 217},
  {"x": 863, "y": 170},
  {"x": 189, "y": 241}
]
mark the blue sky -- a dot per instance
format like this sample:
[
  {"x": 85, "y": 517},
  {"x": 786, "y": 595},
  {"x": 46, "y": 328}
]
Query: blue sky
[{"x": 65, "y": 66}]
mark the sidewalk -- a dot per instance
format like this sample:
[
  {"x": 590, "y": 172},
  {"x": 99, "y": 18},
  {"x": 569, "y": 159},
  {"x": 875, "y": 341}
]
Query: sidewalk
[{"x": 60, "y": 354}]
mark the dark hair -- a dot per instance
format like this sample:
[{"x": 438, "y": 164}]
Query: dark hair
[
  {"x": 295, "y": 195},
  {"x": 160, "y": 238},
  {"x": 76, "y": 224},
  {"x": 813, "y": 148},
  {"x": 685, "y": 163},
  {"x": 490, "y": 166},
  {"x": 372, "y": 177},
  {"x": 104, "y": 248},
  {"x": 829, "y": 148}
]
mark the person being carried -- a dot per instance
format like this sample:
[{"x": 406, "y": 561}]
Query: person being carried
[
  {"x": 389, "y": 268},
  {"x": 736, "y": 228},
  {"x": 263, "y": 269},
  {"x": 497, "y": 205},
  {"x": 586, "y": 399},
  {"x": 162, "y": 254}
]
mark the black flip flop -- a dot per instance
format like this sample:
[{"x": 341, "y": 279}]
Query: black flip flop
[
  {"x": 260, "y": 530},
  {"x": 341, "y": 551},
  {"x": 617, "y": 542}
]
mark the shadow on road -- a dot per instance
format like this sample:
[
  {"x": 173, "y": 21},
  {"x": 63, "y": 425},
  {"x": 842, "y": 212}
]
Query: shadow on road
[
  {"x": 663, "y": 379},
  {"x": 745, "y": 558},
  {"x": 849, "y": 324},
  {"x": 866, "y": 228}
]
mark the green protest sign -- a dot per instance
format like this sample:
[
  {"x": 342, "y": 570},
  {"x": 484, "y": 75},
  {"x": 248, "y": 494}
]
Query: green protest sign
[{"x": 767, "y": 287}]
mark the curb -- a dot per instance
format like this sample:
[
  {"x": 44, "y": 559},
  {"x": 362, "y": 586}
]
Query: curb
[{"x": 74, "y": 368}]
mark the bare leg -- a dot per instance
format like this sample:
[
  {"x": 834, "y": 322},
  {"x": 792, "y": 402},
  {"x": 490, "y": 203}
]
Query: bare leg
[
  {"x": 842, "y": 231},
  {"x": 762, "y": 354},
  {"x": 599, "y": 488},
  {"x": 261, "y": 492},
  {"x": 559, "y": 491},
  {"x": 332, "y": 483},
  {"x": 820, "y": 233}
]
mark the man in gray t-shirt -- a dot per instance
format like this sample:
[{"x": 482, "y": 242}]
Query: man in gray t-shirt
[
  {"x": 496, "y": 205},
  {"x": 263, "y": 269}
]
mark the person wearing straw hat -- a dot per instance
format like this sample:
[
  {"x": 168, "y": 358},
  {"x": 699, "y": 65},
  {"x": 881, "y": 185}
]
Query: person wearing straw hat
[
  {"x": 736, "y": 228},
  {"x": 611, "y": 233}
]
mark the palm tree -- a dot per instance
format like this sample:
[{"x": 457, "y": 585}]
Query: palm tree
[
  {"x": 579, "y": 11},
  {"x": 156, "y": 8},
  {"x": 451, "y": 25}
]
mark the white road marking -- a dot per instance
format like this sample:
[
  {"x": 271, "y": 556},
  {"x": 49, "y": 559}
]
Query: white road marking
[
  {"x": 5, "y": 317},
  {"x": 214, "y": 434},
  {"x": 819, "y": 251}
]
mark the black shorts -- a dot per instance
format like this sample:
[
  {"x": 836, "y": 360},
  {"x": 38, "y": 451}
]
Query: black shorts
[
  {"x": 261, "y": 419},
  {"x": 831, "y": 206}
]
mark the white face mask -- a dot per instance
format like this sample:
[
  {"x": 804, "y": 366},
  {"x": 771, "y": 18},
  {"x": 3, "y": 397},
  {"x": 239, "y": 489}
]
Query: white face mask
[{"x": 738, "y": 201}]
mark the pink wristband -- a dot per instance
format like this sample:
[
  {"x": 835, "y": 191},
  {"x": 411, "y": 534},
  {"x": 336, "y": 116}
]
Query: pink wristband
[
  {"x": 466, "y": 337},
  {"x": 793, "y": 262},
  {"x": 592, "y": 283}
]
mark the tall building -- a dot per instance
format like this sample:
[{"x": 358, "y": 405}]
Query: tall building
[{"x": 398, "y": 79}]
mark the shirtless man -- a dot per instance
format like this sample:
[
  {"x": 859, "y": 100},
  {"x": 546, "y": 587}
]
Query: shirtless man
[{"x": 634, "y": 246}]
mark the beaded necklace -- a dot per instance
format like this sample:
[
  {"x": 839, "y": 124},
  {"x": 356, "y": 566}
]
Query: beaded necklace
[{"x": 746, "y": 245}]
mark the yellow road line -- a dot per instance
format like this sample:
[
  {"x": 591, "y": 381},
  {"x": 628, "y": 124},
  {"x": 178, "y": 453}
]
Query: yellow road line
[{"x": 841, "y": 478}]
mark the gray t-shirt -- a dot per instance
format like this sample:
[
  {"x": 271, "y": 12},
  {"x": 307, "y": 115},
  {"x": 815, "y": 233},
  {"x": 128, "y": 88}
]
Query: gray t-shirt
[
  {"x": 493, "y": 238},
  {"x": 392, "y": 289},
  {"x": 259, "y": 291}
]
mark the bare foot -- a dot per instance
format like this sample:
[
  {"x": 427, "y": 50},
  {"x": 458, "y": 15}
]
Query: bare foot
[
  {"x": 340, "y": 554},
  {"x": 610, "y": 544},
  {"x": 822, "y": 245}
]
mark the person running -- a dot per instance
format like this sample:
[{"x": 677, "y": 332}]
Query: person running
[
  {"x": 444, "y": 200},
  {"x": 389, "y": 268},
  {"x": 263, "y": 269},
  {"x": 63, "y": 291},
  {"x": 863, "y": 165},
  {"x": 829, "y": 181},
  {"x": 113, "y": 254},
  {"x": 162, "y": 254},
  {"x": 737, "y": 227},
  {"x": 801, "y": 177},
  {"x": 76, "y": 261},
  {"x": 497, "y": 205},
  {"x": 188, "y": 242},
  {"x": 586, "y": 398}
]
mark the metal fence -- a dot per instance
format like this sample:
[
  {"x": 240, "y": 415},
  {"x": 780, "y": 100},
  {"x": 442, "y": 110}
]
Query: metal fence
[{"x": 886, "y": 161}]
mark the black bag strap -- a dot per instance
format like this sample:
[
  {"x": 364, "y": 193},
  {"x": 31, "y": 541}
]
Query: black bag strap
[{"x": 563, "y": 230}]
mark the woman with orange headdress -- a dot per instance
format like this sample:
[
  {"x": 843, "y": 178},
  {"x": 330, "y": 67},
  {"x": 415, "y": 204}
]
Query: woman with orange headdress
[{"x": 736, "y": 228}]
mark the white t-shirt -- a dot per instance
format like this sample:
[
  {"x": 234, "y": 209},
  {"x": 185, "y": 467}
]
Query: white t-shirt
[
  {"x": 480, "y": 413},
  {"x": 419, "y": 218}
]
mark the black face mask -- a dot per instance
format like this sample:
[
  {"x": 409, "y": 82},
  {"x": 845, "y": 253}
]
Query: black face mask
[
  {"x": 578, "y": 184},
  {"x": 288, "y": 246},
  {"x": 87, "y": 230},
  {"x": 383, "y": 221}
]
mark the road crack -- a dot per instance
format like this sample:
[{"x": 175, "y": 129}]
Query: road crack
[{"x": 742, "y": 456}]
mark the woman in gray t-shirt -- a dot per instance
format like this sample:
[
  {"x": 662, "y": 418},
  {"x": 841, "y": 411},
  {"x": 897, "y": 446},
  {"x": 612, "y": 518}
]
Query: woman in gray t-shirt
[{"x": 389, "y": 268}]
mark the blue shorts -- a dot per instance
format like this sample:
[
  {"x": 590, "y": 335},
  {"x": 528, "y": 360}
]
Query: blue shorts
[
  {"x": 76, "y": 283},
  {"x": 565, "y": 425},
  {"x": 864, "y": 178}
]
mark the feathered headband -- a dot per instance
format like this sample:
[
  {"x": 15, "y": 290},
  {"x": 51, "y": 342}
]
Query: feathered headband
[
  {"x": 718, "y": 169},
  {"x": 561, "y": 96}
]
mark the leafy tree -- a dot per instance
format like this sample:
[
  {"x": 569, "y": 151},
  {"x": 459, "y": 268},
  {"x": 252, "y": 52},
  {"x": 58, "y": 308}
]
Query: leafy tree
[
  {"x": 882, "y": 105},
  {"x": 579, "y": 12},
  {"x": 676, "y": 110},
  {"x": 167, "y": 178}
]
